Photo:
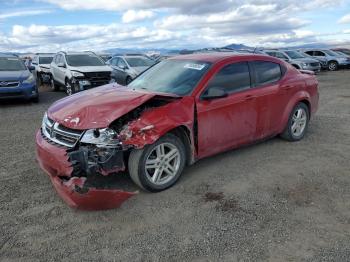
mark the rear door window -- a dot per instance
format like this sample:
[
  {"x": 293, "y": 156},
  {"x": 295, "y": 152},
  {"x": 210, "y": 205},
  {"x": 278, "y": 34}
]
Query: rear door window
[
  {"x": 233, "y": 78},
  {"x": 266, "y": 72}
]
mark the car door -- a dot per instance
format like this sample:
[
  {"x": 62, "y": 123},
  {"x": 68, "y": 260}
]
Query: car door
[
  {"x": 61, "y": 70},
  {"x": 271, "y": 93},
  {"x": 226, "y": 122},
  {"x": 113, "y": 63},
  {"x": 122, "y": 74},
  {"x": 53, "y": 67},
  {"x": 319, "y": 54}
]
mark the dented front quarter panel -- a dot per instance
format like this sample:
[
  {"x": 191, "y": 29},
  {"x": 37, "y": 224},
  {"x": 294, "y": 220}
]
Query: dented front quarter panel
[
  {"x": 161, "y": 120},
  {"x": 54, "y": 161}
]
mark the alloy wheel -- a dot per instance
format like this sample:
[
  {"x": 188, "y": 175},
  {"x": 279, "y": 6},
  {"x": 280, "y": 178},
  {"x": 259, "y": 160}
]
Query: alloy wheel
[
  {"x": 162, "y": 163},
  {"x": 299, "y": 122},
  {"x": 69, "y": 88}
]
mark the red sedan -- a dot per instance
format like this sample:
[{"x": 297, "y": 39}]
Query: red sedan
[{"x": 177, "y": 112}]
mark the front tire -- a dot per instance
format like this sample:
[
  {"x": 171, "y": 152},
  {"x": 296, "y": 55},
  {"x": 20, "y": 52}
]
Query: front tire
[
  {"x": 53, "y": 85},
  {"x": 70, "y": 88},
  {"x": 298, "y": 123},
  {"x": 332, "y": 66},
  {"x": 128, "y": 80},
  {"x": 158, "y": 166}
]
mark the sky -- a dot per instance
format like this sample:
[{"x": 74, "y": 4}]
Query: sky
[{"x": 53, "y": 25}]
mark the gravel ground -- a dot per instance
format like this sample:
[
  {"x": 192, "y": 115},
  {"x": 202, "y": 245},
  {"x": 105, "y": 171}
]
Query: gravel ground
[{"x": 275, "y": 201}]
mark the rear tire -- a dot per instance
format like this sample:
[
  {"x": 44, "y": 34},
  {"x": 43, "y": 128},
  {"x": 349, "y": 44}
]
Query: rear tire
[
  {"x": 298, "y": 123},
  {"x": 158, "y": 166}
]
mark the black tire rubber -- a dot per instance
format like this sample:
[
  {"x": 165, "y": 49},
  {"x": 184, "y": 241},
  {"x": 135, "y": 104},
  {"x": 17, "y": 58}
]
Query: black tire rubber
[
  {"x": 72, "y": 86},
  {"x": 287, "y": 133},
  {"x": 128, "y": 80},
  {"x": 137, "y": 159},
  {"x": 54, "y": 86},
  {"x": 335, "y": 68},
  {"x": 39, "y": 80},
  {"x": 35, "y": 99}
]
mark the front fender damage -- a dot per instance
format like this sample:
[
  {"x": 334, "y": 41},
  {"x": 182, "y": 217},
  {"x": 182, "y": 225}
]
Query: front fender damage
[{"x": 155, "y": 123}]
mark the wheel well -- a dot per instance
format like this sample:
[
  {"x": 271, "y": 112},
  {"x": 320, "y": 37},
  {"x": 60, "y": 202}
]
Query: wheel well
[
  {"x": 307, "y": 103},
  {"x": 184, "y": 134},
  {"x": 332, "y": 61}
]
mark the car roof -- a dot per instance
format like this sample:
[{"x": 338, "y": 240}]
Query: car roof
[{"x": 217, "y": 57}]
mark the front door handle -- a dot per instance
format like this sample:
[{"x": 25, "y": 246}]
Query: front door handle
[
  {"x": 250, "y": 97},
  {"x": 287, "y": 87}
]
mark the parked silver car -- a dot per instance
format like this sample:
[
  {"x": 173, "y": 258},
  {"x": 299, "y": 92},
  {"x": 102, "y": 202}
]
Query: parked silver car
[
  {"x": 41, "y": 63},
  {"x": 296, "y": 59},
  {"x": 127, "y": 67},
  {"x": 334, "y": 60}
]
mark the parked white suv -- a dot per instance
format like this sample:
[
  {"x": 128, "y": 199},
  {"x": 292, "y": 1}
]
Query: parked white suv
[{"x": 78, "y": 71}]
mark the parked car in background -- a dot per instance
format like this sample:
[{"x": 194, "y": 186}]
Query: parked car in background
[
  {"x": 343, "y": 50},
  {"x": 322, "y": 60},
  {"x": 179, "y": 111},
  {"x": 341, "y": 53},
  {"x": 41, "y": 63},
  {"x": 16, "y": 80},
  {"x": 105, "y": 57},
  {"x": 128, "y": 67},
  {"x": 334, "y": 60},
  {"x": 296, "y": 59},
  {"x": 78, "y": 71}
]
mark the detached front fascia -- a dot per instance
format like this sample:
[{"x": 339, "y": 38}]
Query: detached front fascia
[{"x": 55, "y": 162}]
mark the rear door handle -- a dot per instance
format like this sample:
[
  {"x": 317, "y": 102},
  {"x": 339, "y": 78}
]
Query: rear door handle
[{"x": 250, "y": 97}]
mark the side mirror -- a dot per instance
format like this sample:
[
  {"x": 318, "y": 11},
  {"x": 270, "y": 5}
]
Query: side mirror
[
  {"x": 61, "y": 65},
  {"x": 123, "y": 67},
  {"x": 214, "y": 93},
  {"x": 31, "y": 68}
]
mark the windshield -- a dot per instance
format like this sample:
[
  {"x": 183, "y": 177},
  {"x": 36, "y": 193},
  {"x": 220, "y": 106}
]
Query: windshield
[
  {"x": 84, "y": 60},
  {"x": 172, "y": 76},
  {"x": 11, "y": 64},
  {"x": 45, "y": 60},
  {"x": 331, "y": 53},
  {"x": 139, "y": 61},
  {"x": 294, "y": 54}
]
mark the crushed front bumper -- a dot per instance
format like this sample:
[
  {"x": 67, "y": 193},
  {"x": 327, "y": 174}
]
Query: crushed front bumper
[{"x": 73, "y": 190}]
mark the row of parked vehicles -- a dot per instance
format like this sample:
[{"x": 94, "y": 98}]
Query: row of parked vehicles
[{"x": 77, "y": 71}]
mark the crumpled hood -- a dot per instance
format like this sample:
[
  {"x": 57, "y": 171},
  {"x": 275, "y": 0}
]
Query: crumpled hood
[
  {"x": 14, "y": 75},
  {"x": 98, "y": 107}
]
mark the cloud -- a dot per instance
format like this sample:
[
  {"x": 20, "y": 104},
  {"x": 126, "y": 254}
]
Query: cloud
[
  {"x": 175, "y": 24},
  {"x": 345, "y": 19},
  {"x": 136, "y": 16},
  {"x": 24, "y": 13}
]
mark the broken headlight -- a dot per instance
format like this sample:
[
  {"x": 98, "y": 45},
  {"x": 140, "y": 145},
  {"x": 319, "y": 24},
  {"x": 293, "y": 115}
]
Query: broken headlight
[{"x": 105, "y": 137}]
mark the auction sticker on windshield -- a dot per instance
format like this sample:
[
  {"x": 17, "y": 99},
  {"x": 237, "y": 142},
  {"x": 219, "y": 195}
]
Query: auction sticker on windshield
[{"x": 195, "y": 66}]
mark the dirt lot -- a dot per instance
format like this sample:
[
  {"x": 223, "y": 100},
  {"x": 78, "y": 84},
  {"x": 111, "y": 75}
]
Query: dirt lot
[{"x": 275, "y": 201}]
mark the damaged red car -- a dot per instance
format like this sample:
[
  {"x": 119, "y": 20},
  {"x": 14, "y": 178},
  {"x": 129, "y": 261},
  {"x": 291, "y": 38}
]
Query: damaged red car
[{"x": 177, "y": 112}]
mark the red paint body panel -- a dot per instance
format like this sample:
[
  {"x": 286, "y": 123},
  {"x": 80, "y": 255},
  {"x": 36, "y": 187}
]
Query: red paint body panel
[
  {"x": 164, "y": 119},
  {"x": 94, "y": 199},
  {"x": 54, "y": 162}
]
